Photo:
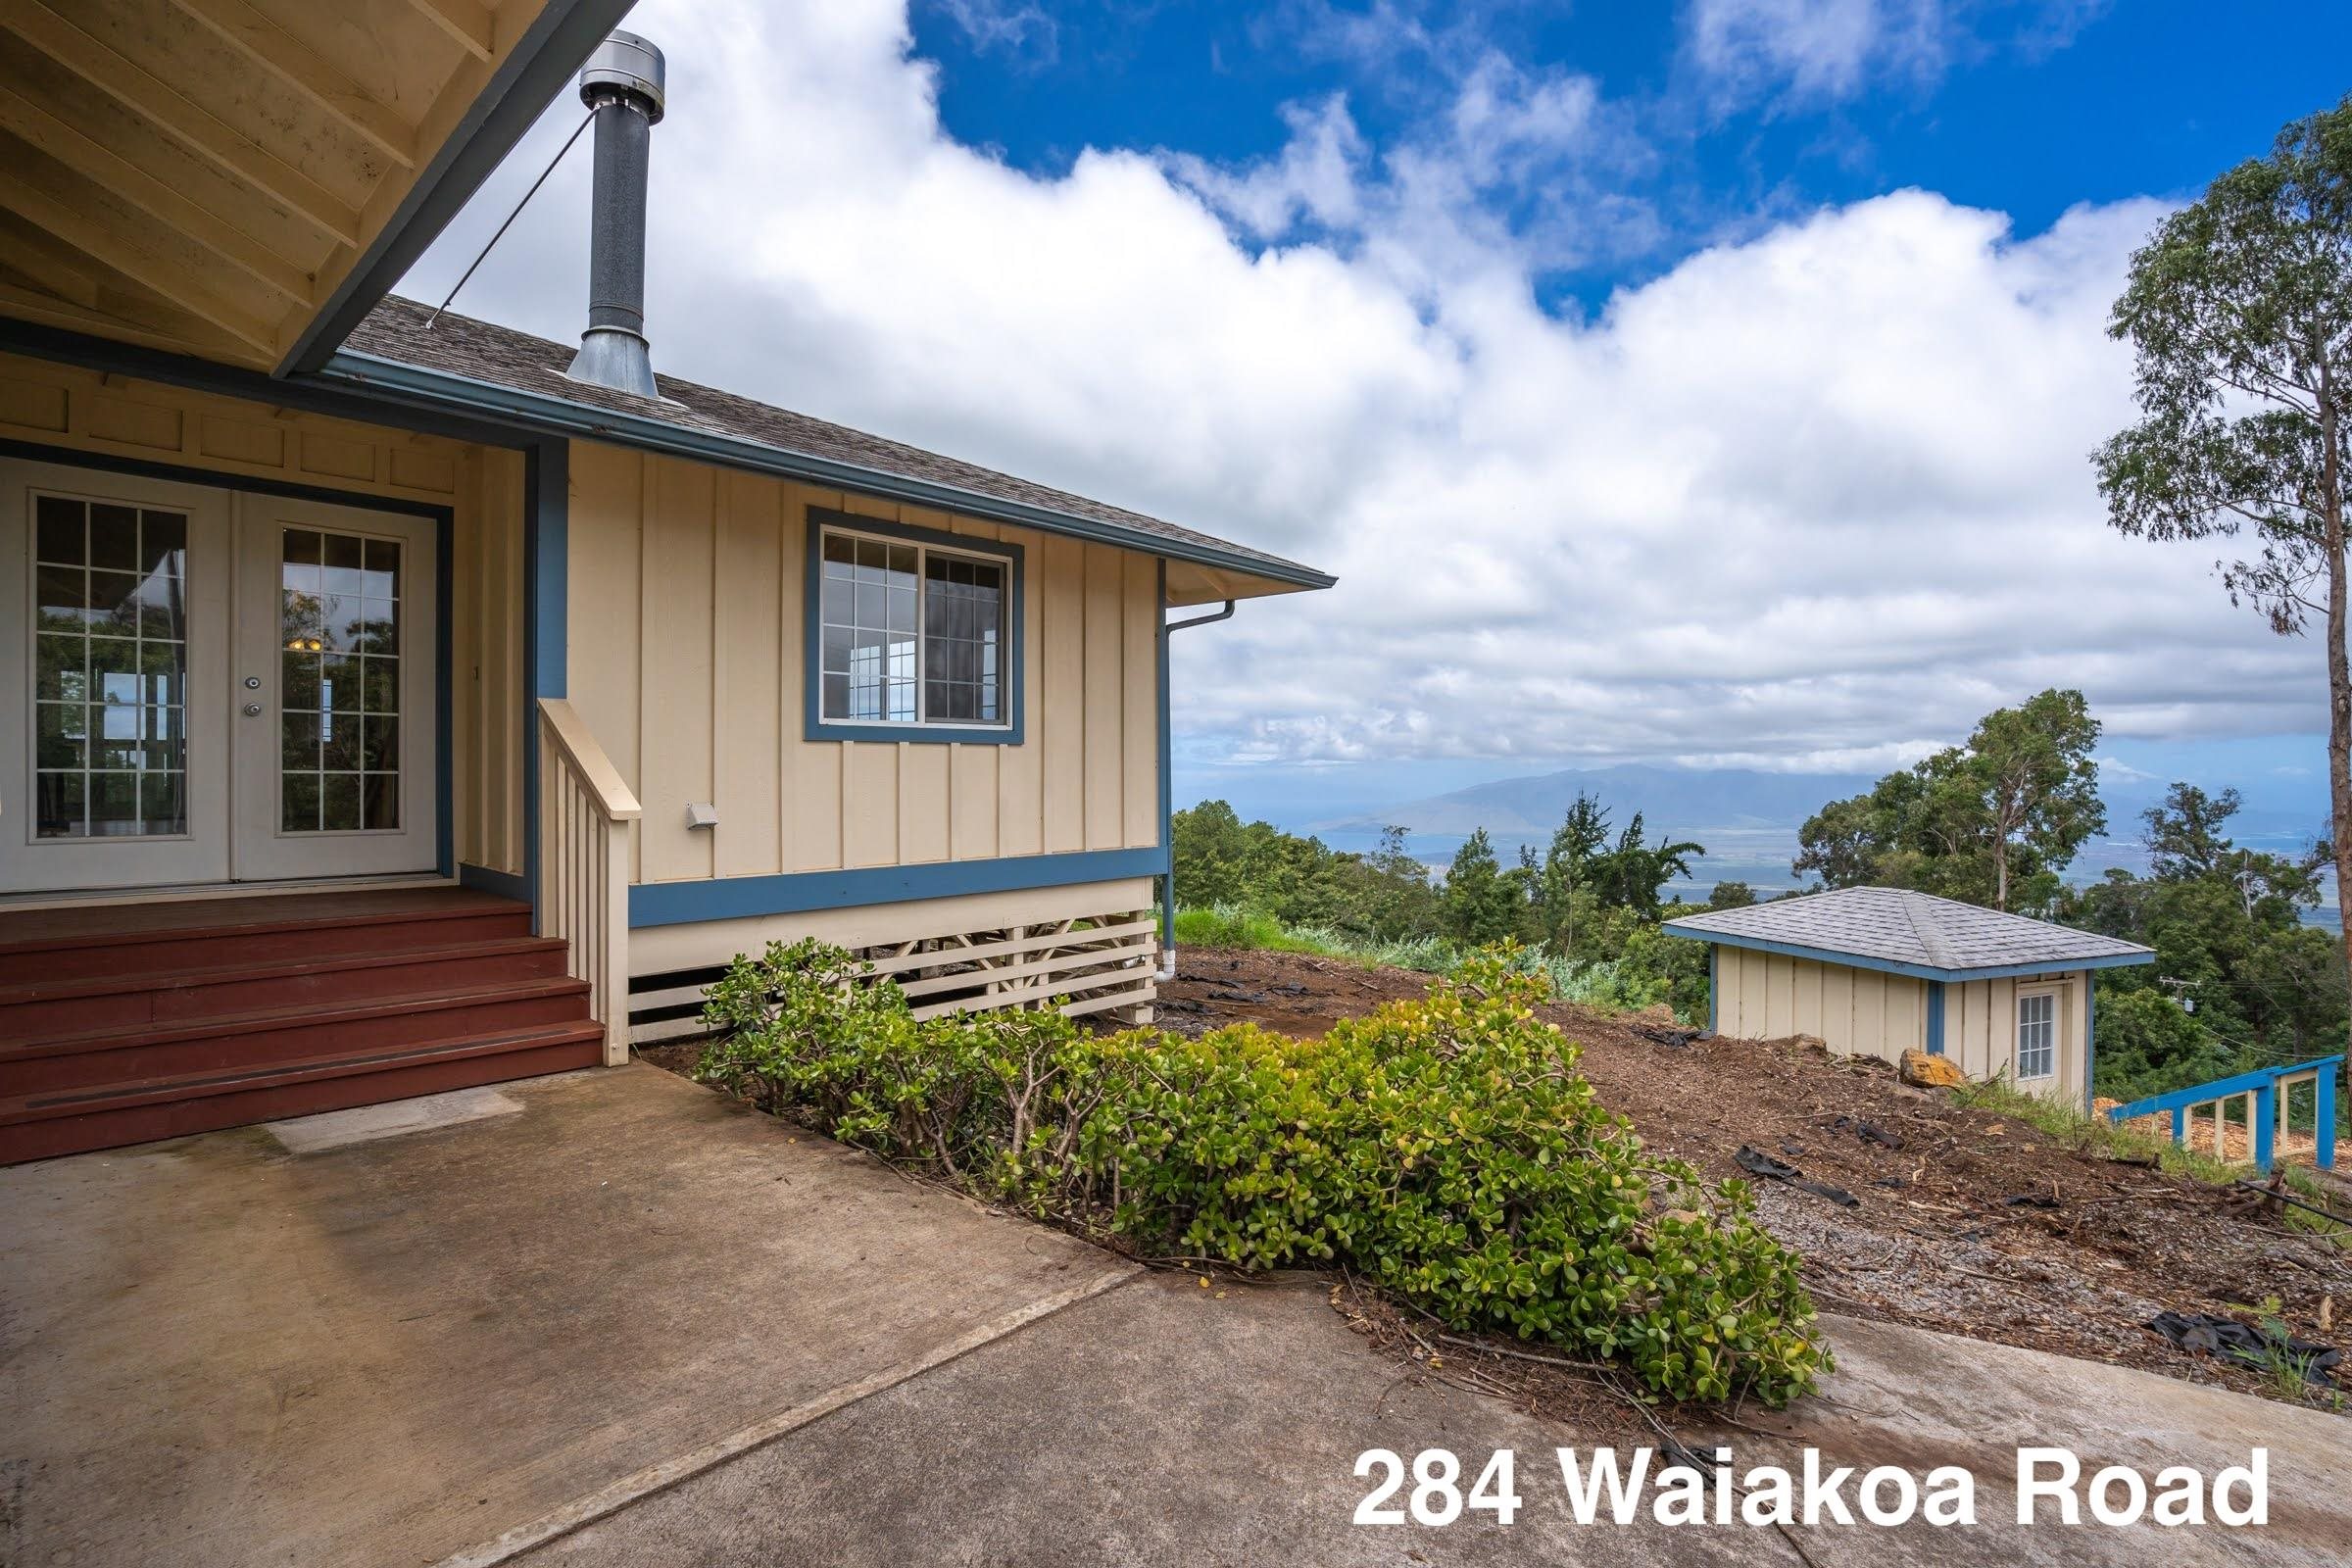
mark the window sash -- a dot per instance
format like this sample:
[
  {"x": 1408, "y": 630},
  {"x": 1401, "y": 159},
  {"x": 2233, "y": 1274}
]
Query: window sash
[
  {"x": 2038, "y": 1035},
  {"x": 993, "y": 660}
]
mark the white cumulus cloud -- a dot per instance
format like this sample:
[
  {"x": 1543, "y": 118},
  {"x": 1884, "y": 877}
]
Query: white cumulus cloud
[{"x": 1819, "y": 493}]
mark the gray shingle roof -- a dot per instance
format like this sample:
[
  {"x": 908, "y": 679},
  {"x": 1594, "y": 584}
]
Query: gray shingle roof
[
  {"x": 481, "y": 350},
  {"x": 1885, "y": 927}
]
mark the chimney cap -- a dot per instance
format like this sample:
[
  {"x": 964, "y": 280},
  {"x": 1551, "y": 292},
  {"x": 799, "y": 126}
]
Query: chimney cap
[{"x": 630, "y": 64}]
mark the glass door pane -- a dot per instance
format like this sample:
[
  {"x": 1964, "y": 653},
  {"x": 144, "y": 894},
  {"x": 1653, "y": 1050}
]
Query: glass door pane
[
  {"x": 110, "y": 669},
  {"x": 341, "y": 599}
]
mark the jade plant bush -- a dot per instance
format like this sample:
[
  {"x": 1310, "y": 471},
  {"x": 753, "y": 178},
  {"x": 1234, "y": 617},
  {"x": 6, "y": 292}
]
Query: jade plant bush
[{"x": 1444, "y": 1148}]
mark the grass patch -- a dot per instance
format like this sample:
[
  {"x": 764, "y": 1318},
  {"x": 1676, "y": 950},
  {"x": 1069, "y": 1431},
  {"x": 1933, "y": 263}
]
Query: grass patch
[
  {"x": 1229, "y": 927},
  {"x": 2070, "y": 1124},
  {"x": 2304, "y": 1185},
  {"x": 1603, "y": 986},
  {"x": 2098, "y": 1134}
]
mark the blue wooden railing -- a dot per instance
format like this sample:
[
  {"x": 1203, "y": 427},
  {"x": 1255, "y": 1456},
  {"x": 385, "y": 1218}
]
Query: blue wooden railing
[{"x": 2265, "y": 1092}]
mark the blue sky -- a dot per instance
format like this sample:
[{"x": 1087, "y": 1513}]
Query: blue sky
[
  {"x": 1706, "y": 384},
  {"x": 2026, "y": 107}
]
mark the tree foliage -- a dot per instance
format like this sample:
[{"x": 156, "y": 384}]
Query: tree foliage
[
  {"x": 2240, "y": 313},
  {"x": 2239, "y": 980},
  {"x": 1221, "y": 861},
  {"x": 1482, "y": 904},
  {"x": 1731, "y": 896},
  {"x": 1592, "y": 902},
  {"x": 1991, "y": 822}
]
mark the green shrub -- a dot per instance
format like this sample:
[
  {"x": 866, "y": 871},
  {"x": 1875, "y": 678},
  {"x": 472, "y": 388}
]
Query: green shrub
[{"x": 1443, "y": 1147}]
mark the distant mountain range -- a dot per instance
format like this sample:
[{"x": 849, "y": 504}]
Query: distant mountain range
[{"x": 1747, "y": 819}]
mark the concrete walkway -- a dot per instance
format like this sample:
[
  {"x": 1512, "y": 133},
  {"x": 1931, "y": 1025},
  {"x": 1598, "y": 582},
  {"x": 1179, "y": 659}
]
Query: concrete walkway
[
  {"x": 215, "y": 1352},
  {"x": 616, "y": 1320},
  {"x": 1158, "y": 1424}
]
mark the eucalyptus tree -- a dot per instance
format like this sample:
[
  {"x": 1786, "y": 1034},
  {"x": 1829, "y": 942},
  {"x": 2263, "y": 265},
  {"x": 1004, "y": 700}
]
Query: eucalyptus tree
[{"x": 2239, "y": 312}]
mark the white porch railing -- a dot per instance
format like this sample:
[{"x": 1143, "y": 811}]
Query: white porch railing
[{"x": 587, "y": 820}]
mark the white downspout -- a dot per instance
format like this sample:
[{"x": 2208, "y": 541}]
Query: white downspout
[{"x": 1167, "y": 883}]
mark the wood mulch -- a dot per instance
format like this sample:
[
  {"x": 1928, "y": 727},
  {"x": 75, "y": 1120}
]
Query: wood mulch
[{"x": 1966, "y": 1221}]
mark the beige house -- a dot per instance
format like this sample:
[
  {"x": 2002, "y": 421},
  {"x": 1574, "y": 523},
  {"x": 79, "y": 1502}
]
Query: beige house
[
  {"x": 1880, "y": 971},
  {"x": 394, "y": 704}
]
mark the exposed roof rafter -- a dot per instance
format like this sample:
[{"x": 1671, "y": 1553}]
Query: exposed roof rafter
[
  {"x": 103, "y": 166},
  {"x": 87, "y": 230},
  {"x": 468, "y": 24},
  {"x": 299, "y": 67},
  {"x": 194, "y": 337},
  {"x": 186, "y": 122}
]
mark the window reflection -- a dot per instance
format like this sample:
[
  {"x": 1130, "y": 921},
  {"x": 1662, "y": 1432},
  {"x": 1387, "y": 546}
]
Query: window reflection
[
  {"x": 339, "y": 625},
  {"x": 110, "y": 669},
  {"x": 908, "y": 634}
]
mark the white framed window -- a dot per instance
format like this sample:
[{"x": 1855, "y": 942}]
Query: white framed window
[
  {"x": 2037, "y": 1035},
  {"x": 913, "y": 632}
]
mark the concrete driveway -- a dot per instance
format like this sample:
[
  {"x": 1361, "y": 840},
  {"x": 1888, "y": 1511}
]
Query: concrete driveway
[
  {"x": 218, "y": 1352},
  {"x": 620, "y": 1322}
]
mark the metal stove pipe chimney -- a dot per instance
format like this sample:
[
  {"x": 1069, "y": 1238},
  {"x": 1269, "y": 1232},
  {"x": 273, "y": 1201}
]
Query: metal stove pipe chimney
[{"x": 623, "y": 85}]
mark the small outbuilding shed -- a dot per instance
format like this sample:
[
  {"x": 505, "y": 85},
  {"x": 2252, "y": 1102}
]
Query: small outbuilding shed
[{"x": 1884, "y": 970}]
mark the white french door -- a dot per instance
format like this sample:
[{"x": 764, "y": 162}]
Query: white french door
[
  {"x": 118, "y": 647},
  {"x": 209, "y": 686},
  {"x": 332, "y": 764}
]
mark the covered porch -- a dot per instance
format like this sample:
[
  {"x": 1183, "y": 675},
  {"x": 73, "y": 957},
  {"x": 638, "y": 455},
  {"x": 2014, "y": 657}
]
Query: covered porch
[
  {"x": 264, "y": 843},
  {"x": 272, "y": 847}
]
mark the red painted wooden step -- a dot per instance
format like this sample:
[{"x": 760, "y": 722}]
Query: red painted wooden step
[
  {"x": 32, "y": 1011},
  {"x": 121, "y": 1054},
  {"x": 125, "y": 1022},
  {"x": 71, "y": 1121},
  {"x": 69, "y": 942}
]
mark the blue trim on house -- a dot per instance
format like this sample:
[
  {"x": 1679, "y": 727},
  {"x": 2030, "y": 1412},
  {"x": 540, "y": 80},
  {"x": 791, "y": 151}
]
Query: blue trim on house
[
  {"x": 736, "y": 898},
  {"x": 443, "y": 519},
  {"x": 1712, "y": 969},
  {"x": 60, "y": 347},
  {"x": 546, "y": 620},
  {"x": 505, "y": 884},
  {"x": 1934, "y": 1018},
  {"x": 814, "y": 725},
  {"x": 1919, "y": 971},
  {"x": 547, "y": 414},
  {"x": 558, "y": 40},
  {"x": 220, "y": 479}
]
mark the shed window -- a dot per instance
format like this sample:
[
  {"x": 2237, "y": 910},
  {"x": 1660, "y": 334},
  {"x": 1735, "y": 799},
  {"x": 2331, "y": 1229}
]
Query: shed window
[
  {"x": 2038, "y": 1035},
  {"x": 912, "y": 634}
]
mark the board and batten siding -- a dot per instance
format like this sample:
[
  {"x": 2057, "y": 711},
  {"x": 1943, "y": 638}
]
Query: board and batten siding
[
  {"x": 72, "y": 409},
  {"x": 1767, "y": 996},
  {"x": 1980, "y": 1029},
  {"x": 686, "y": 614}
]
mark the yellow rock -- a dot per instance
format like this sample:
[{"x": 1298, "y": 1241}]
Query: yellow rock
[{"x": 1931, "y": 1072}]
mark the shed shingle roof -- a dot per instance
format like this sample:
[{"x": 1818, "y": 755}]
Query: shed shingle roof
[
  {"x": 1896, "y": 928},
  {"x": 482, "y": 351}
]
